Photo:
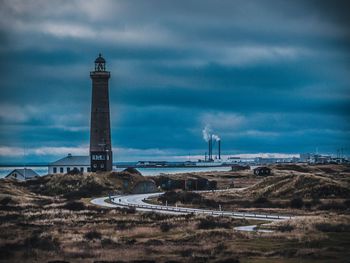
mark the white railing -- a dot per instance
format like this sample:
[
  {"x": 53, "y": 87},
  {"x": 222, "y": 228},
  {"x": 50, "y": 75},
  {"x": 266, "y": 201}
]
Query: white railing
[{"x": 202, "y": 211}]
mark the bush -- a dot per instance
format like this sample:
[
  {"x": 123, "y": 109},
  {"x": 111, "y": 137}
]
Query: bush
[
  {"x": 297, "y": 203},
  {"x": 108, "y": 243},
  {"x": 5, "y": 201},
  {"x": 184, "y": 197},
  {"x": 43, "y": 202},
  {"x": 347, "y": 203},
  {"x": 74, "y": 206},
  {"x": 189, "y": 216},
  {"x": 228, "y": 260},
  {"x": 153, "y": 216},
  {"x": 211, "y": 222},
  {"x": 126, "y": 210},
  {"x": 43, "y": 242},
  {"x": 209, "y": 203},
  {"x": 333, "y": 206},
  {"x": 75, "y": 171},
  {"x": 165, "y": 227},
  {"x": 90, "y": 189},
  {"x": 128, "y": 240},
  {"x": 326, "y": 227},
  {"x": 93, "y": 235},
  {"x": 285, "y": 228},
  {"x": 261, "y": 200}
]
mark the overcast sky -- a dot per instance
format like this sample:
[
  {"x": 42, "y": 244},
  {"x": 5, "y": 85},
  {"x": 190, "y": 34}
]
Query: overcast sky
[{"x": 266, "y": 76}]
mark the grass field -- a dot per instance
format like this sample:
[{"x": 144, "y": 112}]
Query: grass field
[{"x": 42, "y": 227}]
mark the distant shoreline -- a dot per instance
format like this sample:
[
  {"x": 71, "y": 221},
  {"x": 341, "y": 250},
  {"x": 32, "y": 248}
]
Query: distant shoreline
[{"x": 116, "y": 165}]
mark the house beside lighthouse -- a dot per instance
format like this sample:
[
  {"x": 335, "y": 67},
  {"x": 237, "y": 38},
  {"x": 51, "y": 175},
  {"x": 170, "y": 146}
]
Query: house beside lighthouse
[{"x": 100, "y": 153}]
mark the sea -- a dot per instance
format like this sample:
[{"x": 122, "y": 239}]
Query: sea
[{"x": 151, "y": 171}]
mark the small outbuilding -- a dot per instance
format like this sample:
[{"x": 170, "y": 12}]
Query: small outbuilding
[
  {"x": 238, "y": 167},
  {"x": 262, "y": 171},
  {"x": 190, "y": 184},
  {"x": 22, "y": 174},
  {"x": 143, "y": 187}
]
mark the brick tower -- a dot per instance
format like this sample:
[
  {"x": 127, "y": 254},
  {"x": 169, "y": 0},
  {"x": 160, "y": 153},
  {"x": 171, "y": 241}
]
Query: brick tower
[{"x": 100, "y": 131}]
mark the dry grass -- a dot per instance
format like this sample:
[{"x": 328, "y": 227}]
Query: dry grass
[{"x": 37, "y": 228}]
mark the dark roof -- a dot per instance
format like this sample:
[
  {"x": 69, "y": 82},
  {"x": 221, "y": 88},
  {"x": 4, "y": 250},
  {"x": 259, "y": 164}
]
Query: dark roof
[
  {"x": 261, "y": 168},
  {"x": 100, "y": 59},
  {"x": 26, "y": 173},
  {"x": 71, "y": 160}
]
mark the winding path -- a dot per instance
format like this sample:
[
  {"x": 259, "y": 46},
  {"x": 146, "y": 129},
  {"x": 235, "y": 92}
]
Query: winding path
[{"x": 138, "y": 201}]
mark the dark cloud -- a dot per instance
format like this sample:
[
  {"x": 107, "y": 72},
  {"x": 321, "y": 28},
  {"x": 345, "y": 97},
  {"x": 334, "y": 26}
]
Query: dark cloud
[{"x": 269, "y": 76}]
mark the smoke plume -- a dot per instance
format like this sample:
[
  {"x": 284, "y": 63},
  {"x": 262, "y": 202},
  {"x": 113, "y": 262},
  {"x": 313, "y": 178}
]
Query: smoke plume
[
  {"x": 207, "y": 132},
  {"x": 215, "y": 137}
]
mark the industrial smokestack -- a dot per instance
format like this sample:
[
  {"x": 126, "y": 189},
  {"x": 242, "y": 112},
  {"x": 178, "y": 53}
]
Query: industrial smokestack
[
  {"x": 209, "y": 150},
  {"x": 219, "y": 149},
  {"x": 210, "y": 155}
]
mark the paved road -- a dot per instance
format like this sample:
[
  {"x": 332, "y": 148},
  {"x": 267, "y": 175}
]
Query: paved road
[
  {"x": 138, "y": 201},
  {"x": 252, "y": 228}
]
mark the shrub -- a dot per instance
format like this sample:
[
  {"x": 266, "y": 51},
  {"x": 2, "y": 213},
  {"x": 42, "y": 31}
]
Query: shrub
[
  {"x": 184, "y": 197},
  {"x": 128, "y": 240},
  {"x": 43, "y": 202},
  {"x": 153, "y": 216},
  {"x": 211, "y": 222},
  {"x": 333, "y": 206},
  {"x": 93, "y": 235},
  {"x": 326, "y": 227},
  {"x": 154, "y": 242},
  {"x": 74, "y": 206},
  {"x": 261, "y": 200},
  {"x": 126, "y": 210},
  {"x": 6, "y": 200},
  {"x": 228, "y": 260},
  {"x": 347, "y": 203},
  {"x": 90, "y": 189},
  {"x": 285, "y": 228},
  {"x": 75, "y": 171},
  {"x": 209, "y": 203},
  {"x": 297, "y": 203},
  {"x": 108, "y": 243},
  {"x": 43, "y": 242},
  {"x": 219, "y": 248},
  {"x": 189, "y": 216},
  {"x": 165, "y": 227}
]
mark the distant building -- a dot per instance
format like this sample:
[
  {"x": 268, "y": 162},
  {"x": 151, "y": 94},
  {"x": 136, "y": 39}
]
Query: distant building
[
  {"x": 22, "y": 174},
  {"x": 238, "y": 167},
  {"x": 234, "y": 159},
  {"x": 305, "y": 157},
  {"x": 262, "y": 171},
  {"x": 69, "y": 163},
  {"x": 167, "y": 183},
  {"x": 316, "y": 158},
  {"x": 152, "y": 163},
  {"x": 144, "y": 187}
]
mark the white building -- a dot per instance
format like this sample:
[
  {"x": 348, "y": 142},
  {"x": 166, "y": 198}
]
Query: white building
[
  {"x": 69, "y": 163},
  {"x": 22, "y": 174}
]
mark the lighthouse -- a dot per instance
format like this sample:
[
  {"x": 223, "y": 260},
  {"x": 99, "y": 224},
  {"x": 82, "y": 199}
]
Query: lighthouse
[{"x": 101, "y": 157}]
